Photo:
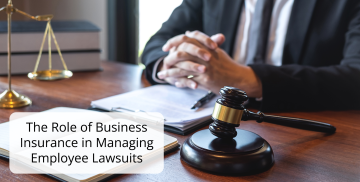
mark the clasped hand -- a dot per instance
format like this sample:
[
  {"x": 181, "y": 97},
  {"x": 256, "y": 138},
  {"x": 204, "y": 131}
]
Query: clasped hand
[{"x": 196, "y": 54}]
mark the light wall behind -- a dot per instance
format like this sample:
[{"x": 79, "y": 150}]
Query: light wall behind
[{"x": 94, "y": 11}]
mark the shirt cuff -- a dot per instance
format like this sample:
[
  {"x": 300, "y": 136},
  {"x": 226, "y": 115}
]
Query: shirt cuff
[{"x": 154, "y": 76}]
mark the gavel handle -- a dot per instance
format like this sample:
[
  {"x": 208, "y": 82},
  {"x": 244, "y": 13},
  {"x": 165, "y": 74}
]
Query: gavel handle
[{"x": 289, "y": 121}]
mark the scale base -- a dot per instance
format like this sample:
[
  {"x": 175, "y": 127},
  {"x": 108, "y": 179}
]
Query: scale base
[
  {"x": 50, "y": 75},
  {"x": 245, "y": 154},
  {"x": 11, "y": 99}
]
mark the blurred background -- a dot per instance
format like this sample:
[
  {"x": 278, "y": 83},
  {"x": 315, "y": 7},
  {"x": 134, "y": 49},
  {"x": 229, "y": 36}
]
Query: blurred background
[{"x": 126, "y": 25}]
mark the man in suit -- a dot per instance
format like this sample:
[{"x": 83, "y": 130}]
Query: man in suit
[{"x": 288, "y": 54}]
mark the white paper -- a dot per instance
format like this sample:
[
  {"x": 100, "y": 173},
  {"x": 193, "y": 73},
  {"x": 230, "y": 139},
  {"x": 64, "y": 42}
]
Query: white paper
[{"x": 173, "y": 103}]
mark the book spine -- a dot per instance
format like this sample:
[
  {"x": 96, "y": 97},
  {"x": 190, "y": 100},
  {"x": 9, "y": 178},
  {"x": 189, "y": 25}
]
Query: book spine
[
  {"x": 24, "y": 63},
  {"x": 31, "y": 42}
]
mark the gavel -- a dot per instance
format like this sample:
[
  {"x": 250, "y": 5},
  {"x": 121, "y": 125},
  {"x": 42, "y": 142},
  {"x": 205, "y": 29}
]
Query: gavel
[
  {"x": 229, "y": 111},
  {"x": 219, "y": 150}
]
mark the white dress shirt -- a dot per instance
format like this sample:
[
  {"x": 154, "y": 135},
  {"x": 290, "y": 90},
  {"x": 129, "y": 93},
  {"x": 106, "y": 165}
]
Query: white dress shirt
[{"x": 278, "y": 29}]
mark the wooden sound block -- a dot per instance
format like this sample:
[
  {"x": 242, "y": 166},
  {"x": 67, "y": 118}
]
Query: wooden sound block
[{"x": 245, "y": 154}]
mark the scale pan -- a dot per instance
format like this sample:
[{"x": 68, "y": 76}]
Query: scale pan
[{"x": 49, "y": 75}]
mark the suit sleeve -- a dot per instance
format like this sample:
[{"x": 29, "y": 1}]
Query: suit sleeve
[
  {"x": 296, "y": 87},
  {"x": 188, "y": 16}
]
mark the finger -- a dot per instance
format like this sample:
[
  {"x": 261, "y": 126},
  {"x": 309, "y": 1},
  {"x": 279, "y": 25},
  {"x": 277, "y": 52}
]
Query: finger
[
  {"x": 175, "y": 72},
  {"x": 173, "y": 49},
  {"x": 191, "y": 66},
  {"x": 178, "y": 56},
  {"x": 171, "y": 80},
  {"x": 218, "y": 38},
  {"x": 185, "y": 82},
  {"x": 174, "y": 42},
  {"x": 195, "y": 51},
  {"x": 202, "y": 38},
  {"x": 177, "y": 40}
]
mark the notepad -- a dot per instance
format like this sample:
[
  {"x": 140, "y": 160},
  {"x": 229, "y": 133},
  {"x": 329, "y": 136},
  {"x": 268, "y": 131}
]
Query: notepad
[
  {"x": 170, "y": 143},
  {"x": 173, "y": 103}
]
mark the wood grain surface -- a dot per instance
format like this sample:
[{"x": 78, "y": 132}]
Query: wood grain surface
[{"x": 299, "y": 155}]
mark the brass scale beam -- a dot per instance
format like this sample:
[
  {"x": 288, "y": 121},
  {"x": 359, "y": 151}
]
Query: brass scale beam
[{"x": 10, "y": 98}]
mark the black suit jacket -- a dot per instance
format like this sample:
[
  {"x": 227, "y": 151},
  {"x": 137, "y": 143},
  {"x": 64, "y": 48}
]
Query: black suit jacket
[{"x": 321, "y": 56}]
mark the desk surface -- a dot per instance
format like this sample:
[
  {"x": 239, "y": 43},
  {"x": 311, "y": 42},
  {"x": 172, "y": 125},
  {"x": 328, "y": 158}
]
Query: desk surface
[{"x": 299, "y": 155}]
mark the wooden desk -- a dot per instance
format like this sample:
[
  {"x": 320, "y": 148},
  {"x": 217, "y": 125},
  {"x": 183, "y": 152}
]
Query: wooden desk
[{"x": 299, "y": 155}]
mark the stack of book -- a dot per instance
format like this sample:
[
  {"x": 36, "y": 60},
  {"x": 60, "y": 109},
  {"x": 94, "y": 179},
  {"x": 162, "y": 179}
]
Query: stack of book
[{"x": 78, "y": 40}]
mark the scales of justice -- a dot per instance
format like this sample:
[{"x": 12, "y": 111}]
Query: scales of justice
[{"x": 10, "y": 98}]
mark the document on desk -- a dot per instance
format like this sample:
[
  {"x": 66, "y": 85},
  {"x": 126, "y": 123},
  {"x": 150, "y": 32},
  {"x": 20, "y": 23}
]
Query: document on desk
[{"x": 173, "y": 103}]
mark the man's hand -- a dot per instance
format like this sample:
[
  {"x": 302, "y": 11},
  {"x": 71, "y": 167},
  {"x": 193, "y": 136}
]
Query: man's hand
[
  {"x": 188, "y": 52},
  {"x": 220, "y": 71}
]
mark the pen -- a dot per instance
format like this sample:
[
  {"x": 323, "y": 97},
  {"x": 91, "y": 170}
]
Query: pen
[{"x": 203, "y": 100}]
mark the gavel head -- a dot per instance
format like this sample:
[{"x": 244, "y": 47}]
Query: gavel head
[{"x": 227, "y": 112}]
